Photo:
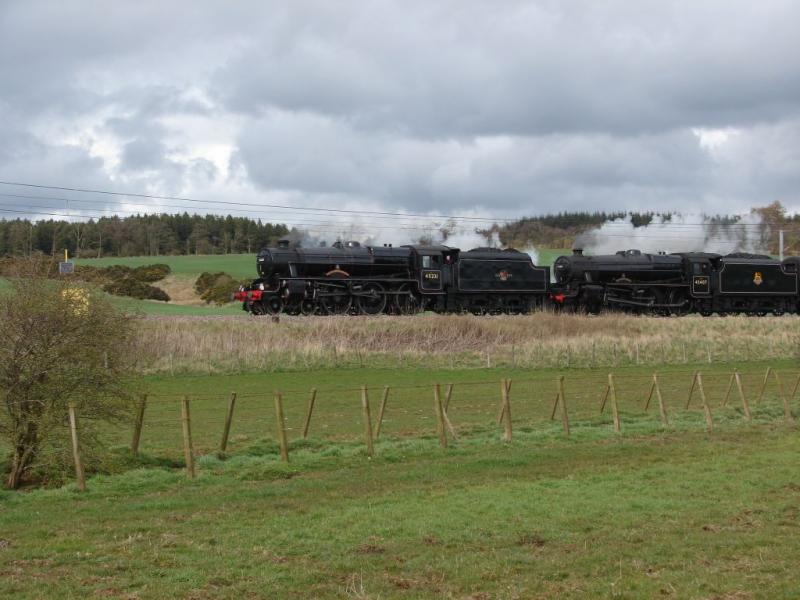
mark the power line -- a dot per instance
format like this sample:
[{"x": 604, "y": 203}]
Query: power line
[{"x": 261, "y": 205}]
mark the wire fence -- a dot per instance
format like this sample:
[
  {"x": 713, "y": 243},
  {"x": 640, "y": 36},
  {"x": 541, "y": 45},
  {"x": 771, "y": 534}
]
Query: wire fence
[{"x": 197, "y": 424}]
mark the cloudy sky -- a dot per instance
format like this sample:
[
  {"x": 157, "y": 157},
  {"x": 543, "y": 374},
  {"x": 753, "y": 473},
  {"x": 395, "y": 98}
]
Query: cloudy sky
[{"x": 494, "y": 109}]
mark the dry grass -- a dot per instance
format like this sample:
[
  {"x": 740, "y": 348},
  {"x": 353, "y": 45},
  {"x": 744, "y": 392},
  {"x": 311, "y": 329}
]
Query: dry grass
[
  {"x": 181, "y": 290},
  {"x": 234, "y": 344}
]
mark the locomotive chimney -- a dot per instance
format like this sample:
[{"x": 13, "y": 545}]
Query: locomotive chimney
[
  {"x": 577, "y": 251},
  {"x": 284, "y": 243}
]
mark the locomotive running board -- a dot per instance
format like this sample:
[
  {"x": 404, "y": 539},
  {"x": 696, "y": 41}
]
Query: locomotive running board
[{"x": 646, "y": 304}]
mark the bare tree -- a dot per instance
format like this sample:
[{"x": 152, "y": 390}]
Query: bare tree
[{"x": 59, "y": 343}]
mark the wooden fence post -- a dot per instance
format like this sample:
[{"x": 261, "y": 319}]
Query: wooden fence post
[
  {"x": 381, "y": 411},
  {"x": 555, "y": 403},
  {"x": 787, "y": 411},
  {"x": 745, "y": 404},
  {"x": 650, "y": 395},
  {"x": 439, "y": 412},
  {"x": 729, "y": 390},
  {"x": 706, "y": 409},
  {"x": 764, "y": 385},
  {"x": 605, "y": 399},
  {"x": 137, "y": 425},
  {"x": 447, "y": 394},
  {"x": 614, "y": 407},
  {"x": 564, "y": 415},
  {"x": 188, "y": 450},
  {"x": 794, "y": 389},
  {"x": 691, "y": 389},
  {"x": 505, "y": 387},
  {"x": 367, "y": 420},
  {"x": 226, "y": 430},
  {"x": 311, "y": 402},
  {"x": 281, "y": 423},
  {"x": 661, "y": 410},
  {"x": 76, "y": 449}
]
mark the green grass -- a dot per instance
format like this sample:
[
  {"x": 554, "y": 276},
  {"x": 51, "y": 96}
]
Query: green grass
[
  {"x": 156, "y": 308},
  {"x": 677, "y": 514},
  {"x": 238, "y": 265},
  {"x": 409, "y": 413}
]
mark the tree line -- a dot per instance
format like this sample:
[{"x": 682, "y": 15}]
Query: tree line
[{"x": 138, "y": 235}]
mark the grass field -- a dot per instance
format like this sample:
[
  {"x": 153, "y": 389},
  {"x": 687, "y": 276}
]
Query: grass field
[
  {"x": 474, "y": 403},
  {"x": 676, "y": 512},
  {"x": 679, "y": 514},
  {"x": 541, "y": 340},
  {"x": 237, "y": 265}
]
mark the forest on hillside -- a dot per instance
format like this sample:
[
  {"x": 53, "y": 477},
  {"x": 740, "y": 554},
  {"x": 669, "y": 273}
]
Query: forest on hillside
[
  {"x": 153, "y": 235},
  {"x": 140, "y": 235}
]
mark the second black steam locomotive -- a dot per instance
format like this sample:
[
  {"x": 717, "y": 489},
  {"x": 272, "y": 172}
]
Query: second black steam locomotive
[
  {"x": 680, "y": 283},
  {"x": 348, "y": 278}
]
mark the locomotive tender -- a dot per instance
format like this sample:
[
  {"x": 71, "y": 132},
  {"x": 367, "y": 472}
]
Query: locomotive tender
[{"x": 348, "y": 278}]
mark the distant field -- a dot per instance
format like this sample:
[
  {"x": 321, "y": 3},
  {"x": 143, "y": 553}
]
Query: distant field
[{"x": 237, "y": 265}]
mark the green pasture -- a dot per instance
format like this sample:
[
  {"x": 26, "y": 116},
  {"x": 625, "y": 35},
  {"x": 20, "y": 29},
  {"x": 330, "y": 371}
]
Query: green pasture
[
  {"x": 154, "y": 307},
  {"x": 679, "y": 514},
  {"x": 474, "y": 402},
  {"x": 237, "y": 265},
  {"x": 678, "y": 511}
]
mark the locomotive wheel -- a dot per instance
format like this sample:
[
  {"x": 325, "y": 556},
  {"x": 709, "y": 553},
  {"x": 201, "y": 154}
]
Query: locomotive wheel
[
  {"x": 292, "y": 309},
  {"x": 338, "y": 302},
  {"x": 308, "y": 307},
  {"x": 272, "y": 305},
  {"x": 373, "y": 300},
  {"x": 407, "y": 303}
]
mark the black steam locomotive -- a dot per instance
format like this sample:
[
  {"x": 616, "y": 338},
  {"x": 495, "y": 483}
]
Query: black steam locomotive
[
  {"x": 678, "y": 283},
  {"x": 348, "y": 278}
]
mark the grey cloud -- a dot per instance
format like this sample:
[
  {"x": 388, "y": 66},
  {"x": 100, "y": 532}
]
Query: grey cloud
[
  {"x": 510, "y": 108},
  {"x": 464, "y": 69}
]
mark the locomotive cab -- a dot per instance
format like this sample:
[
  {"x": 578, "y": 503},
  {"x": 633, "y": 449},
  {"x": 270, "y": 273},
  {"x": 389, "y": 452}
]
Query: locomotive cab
[{"x": 435, "y": 267}]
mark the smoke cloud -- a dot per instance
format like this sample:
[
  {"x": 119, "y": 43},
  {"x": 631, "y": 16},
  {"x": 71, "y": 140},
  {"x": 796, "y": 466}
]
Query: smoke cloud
[
  {"x": 679, "y": 233},
  {"x": 454, "y": 237}
]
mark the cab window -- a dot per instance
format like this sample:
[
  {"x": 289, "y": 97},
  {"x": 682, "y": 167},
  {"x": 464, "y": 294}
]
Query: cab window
[
  {"x": 700, "y": 268},
  {"x": 431, "y": 262}
]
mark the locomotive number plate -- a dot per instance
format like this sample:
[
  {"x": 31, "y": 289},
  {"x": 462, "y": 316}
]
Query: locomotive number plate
[
  {"x": 431, "y": 275},
  {"x": 701, "y": 285}
]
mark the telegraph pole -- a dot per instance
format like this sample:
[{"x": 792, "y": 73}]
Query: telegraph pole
[{"x": 780, "y": 244}]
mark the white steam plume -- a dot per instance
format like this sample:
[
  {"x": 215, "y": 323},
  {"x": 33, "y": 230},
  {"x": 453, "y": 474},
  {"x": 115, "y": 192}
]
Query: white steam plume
[
  {"x": 679, "y": 233},
  {"x": 464, "y": 238}
]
